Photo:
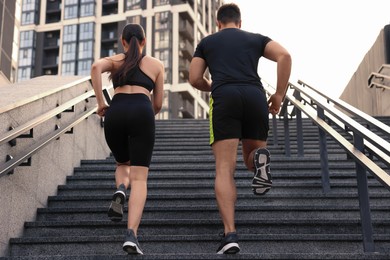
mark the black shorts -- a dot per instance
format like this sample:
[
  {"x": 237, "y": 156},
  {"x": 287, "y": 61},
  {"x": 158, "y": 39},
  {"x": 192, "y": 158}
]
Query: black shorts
[
  {"x": 129, "y": 128},
  {"x": 238, "y": 111}
]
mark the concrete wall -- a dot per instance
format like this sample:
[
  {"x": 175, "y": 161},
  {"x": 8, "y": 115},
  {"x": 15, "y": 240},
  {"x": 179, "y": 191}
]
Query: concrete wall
[
  {"x": 28, "y": 187},
  {"x": 372, "y": 101}
]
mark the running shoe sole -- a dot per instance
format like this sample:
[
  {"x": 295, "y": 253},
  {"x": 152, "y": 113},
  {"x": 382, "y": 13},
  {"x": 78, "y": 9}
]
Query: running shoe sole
[
  {"x": 132, "y": 248},
  {"x": 231, "y": 248},
  {"x": 262, "y": 180},
  {"x": 115, "y": 211}
]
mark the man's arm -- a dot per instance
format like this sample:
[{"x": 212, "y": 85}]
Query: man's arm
[
  {"x": 196, "y": 78},
  {"x": 275, "y": 52}
]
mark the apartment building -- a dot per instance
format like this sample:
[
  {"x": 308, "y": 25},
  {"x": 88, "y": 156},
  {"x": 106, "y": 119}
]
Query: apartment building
[
  {"x": 64, "y": 37},
  {"x": 8, "y": 47}
]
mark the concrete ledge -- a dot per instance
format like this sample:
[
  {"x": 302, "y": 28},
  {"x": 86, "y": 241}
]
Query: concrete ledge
[{"x": 29, "y": 187}]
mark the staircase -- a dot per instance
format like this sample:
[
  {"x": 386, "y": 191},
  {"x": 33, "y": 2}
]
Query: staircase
[{"x": 295, "y": 220}]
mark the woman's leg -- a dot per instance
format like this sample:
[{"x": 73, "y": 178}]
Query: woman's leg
[{"x": 138, "y": 192}]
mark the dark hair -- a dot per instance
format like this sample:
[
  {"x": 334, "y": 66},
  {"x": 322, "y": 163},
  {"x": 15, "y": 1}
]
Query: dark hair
[
  {"x": 133, "y": 34},
  {"x": 228, "y": 13}
]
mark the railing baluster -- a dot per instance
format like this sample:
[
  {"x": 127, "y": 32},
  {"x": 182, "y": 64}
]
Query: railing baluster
[
  {"x": 286, "y": 135},
  {"x": 323, "y": 154},
  {"x": 275, "y": 130},
  {"x": 365, "y": 213}
]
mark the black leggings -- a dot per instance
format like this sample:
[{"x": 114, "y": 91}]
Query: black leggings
[{"x": 129, "y": 128}]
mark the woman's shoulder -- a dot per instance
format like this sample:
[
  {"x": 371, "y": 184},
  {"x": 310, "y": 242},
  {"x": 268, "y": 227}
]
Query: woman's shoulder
[
  {"x": 153, "y": 60},
  {"x": 116, "y": 57}
]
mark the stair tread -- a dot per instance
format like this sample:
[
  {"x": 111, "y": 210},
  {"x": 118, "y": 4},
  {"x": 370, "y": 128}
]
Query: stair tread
[{"x": 301, "y": 221}]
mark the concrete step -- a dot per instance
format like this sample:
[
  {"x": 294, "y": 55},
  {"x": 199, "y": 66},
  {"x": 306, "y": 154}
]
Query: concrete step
[
  {"x": 211, "y": 211},
  {"x": 195, "y": 199},
  {"x": 184, "y": 244},
  {"x": 175, "y": 226}
]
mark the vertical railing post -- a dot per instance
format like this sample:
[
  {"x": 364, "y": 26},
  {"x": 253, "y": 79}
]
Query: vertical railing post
[
  {"x": 299, "y": 133},
  {"x": 323, "y": 154},
  {"x": 298, "y": 112},
  {"x": 365, "y": 213},
  {"x": 275, "y": 130},
  {"x": 286, "y": 135},
  {"x": 107, "y": 96}
]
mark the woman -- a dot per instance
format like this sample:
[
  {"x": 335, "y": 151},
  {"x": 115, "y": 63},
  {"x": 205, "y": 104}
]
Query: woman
[{"x": 129, "y": 125}]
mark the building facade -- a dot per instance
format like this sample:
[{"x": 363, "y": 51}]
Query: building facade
[
  {"x": 9, "y": 21},
  {"x": 64, "y": 37}
]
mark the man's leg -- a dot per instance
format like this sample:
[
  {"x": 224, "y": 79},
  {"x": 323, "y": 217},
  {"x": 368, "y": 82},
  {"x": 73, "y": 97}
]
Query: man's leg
[
  {"x": 249, "y": 147},
  {"x": 225, "y": 153},
  {"x": 257, "y": 158}
]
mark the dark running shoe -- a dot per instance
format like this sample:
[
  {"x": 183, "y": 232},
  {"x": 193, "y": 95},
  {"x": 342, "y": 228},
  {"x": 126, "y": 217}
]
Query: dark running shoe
[
  {"x": 229, "y": 244},
  {"x": 131, "y": 245},
  {"x": 262, "y": 180},
  {"x": 115, "y": 211}
]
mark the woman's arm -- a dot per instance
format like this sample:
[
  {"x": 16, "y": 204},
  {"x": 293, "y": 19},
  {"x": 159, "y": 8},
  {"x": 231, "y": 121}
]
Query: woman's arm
[
  {"x": 99, "y": 67},
  {"x": 158, "y": 91}
]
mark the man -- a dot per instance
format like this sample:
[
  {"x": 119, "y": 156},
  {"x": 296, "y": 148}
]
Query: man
[{"x": 239, "y": 109}]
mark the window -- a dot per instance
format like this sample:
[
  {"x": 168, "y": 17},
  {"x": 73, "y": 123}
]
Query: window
[
  {"x": 70, "y": 33},
  {"x": 26, "y": 39},
  {"x": 69, "y": 52},
  {"x": 162, "y": 39},
  {"x": 161, "y": 2},
  {"x": 87, "y": 8},
  {"x": 24, "y": 74},
  {"x": 162, "y": 20},
  {"x": 133, "y": 4},
  {"x": 70, "y": 12},
  {"x": 85, "y": 50},
  {"x": 86, "y": 31},
  {"x": 68, "y": 68},
  {"x": 84, "y": 67}
]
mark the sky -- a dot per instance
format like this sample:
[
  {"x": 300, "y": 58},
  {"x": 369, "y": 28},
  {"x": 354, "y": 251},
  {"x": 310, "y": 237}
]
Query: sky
[{"x": 327, "y": 39}]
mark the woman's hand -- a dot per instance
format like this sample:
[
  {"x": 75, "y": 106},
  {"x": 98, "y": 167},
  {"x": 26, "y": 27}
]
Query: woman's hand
[{"x": 101, "y": 110}]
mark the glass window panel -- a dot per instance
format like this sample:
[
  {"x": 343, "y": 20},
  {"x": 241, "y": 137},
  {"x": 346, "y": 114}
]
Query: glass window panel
[
  {"x": 161, "y": 20},
  {"x": 87, "y": 9},
  {"x": 28, "y": 18},
  {"x": 24, "y": 74},
  {"x": 71, "y": 2},
  {"x": 70, "y": 12},
  {"x": 68, "y": 68},
  {"x": 84, "y": 67},
  {"x": 86, "y": 31},
  {"x": 26, "y": 39},
  {"x": 85, "y": 50},
  {"x": 133, "y": 4},
  {"x": 161, "y": 2},
  {"x": 70, "y": 33},
  {"x": 162, "y": 39},
  {"x": 25, "y": 57},
  {"x": 69, "y": 51}
]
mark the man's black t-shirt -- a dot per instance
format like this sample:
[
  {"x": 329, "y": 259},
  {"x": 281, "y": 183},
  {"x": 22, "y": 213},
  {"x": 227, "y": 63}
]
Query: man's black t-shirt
[{"x": 232, "y": 56}]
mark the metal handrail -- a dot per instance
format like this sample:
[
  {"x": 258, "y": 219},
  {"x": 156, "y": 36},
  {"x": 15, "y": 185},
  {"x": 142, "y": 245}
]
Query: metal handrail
[
  {"x": 44, "y": 117},
  {"x": 379, "y": 75},
  {"x": 11, "y": 164},
  {"x": 356, "y": 113},
  {"x": 317, "y": 107},
  {"x": 355, "y": 127},
  {"x": 15, "y": 162}
]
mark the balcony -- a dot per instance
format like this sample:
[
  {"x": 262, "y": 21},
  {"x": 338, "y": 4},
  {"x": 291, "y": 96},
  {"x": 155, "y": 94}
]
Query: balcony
[
  {"x": 187, "y": 49},
  {"x": 53, "y": 11},
  {"x": 110, "y": 7},
  {"x": 186, "y": 30}
]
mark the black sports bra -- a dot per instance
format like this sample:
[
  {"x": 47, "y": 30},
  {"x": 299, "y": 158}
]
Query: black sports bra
[{"x": 138, "y": 77}]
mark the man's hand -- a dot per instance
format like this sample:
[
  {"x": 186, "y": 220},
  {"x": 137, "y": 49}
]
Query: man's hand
[{"x": 274, "y": 103}]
